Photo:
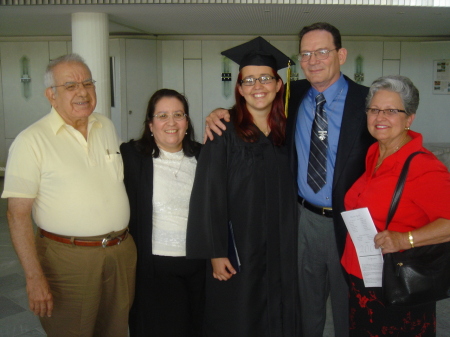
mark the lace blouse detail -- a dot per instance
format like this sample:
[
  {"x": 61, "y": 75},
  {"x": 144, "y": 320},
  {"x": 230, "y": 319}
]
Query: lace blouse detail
[{"x": 173, "y": 178}]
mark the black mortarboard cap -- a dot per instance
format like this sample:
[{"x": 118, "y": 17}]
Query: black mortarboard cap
[{"x": 257, "y": 52}]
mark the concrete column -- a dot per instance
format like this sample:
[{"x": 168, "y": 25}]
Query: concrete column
[{"x": 90, "y": 35}]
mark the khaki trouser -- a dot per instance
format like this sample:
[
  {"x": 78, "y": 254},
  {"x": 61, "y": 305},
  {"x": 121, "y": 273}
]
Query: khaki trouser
[{"x": 92, "y": 287}]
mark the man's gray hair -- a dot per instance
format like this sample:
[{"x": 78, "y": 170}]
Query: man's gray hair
[
  {"x": 49, "y": 80},
  {"x": 399, "y": 84}
]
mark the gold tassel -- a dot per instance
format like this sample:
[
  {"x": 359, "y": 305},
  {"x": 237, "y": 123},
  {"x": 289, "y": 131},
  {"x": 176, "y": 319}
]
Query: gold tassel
[{"x": 288, "y": 89}]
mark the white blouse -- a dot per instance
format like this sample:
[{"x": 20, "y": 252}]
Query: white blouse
[{"x": 173, "y": 177}]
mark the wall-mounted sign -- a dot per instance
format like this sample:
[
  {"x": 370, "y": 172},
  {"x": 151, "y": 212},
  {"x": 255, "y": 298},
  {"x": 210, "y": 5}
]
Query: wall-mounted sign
[{"x": 441, "y": 77}]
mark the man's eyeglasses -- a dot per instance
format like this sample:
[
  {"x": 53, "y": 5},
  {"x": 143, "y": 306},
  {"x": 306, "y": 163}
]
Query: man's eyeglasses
[
  {"x": 164, "y": 116},
  {"x": 72, "y": 86},
  {"x": 320, "y": 54},
  {"x": 387, "y": 112},
  {"x": 249, "y": 81}
]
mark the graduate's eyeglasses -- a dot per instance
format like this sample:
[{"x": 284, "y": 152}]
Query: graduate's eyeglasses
[
  {"x": 386, "y": 112},
  {"x": 72, "y": 86},
  {"x": 250, "y": 81},
  {"x": 320, "y": 54},
  {"x": 164, "y": 116}
]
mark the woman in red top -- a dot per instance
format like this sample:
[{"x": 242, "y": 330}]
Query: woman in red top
[{"x": 423, "y": 209}]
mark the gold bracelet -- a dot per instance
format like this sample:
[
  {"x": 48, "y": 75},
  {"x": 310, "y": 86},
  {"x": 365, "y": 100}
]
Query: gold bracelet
[{"x": 411, "y": 239}]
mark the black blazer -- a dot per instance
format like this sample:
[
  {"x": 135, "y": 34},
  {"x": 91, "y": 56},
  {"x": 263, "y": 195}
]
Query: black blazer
[
  {"x": 138, "y": 179},
  {"x": 354, "y": 140}
]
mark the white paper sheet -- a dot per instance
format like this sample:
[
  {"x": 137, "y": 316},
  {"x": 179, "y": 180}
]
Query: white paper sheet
[{"x": 362, "y": 230}]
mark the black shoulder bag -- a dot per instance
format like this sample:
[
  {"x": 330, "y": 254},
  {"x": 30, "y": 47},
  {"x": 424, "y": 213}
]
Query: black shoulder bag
[{"x": 417, "y": 275}]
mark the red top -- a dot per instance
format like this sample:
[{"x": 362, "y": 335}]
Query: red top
[{"x": 425, "y": 198}]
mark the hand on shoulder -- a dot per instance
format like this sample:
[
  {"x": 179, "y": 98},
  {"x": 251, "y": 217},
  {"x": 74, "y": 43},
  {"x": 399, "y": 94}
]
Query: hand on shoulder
[{"x": 214, "y": 123}]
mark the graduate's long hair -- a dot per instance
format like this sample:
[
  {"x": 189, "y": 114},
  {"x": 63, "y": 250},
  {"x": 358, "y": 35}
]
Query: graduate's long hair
[{"x": 243, "y": 120}]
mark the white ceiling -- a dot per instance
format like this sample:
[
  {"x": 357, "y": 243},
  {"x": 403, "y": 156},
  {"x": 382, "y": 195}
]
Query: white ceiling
[{"x": 230, "y": 19}]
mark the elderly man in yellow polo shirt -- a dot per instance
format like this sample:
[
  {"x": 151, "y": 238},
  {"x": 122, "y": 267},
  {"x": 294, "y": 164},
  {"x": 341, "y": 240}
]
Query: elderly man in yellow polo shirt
[{"x": 66, "y": 171}]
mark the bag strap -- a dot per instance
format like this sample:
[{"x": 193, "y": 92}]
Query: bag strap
[{"x": 399, "y": 187}]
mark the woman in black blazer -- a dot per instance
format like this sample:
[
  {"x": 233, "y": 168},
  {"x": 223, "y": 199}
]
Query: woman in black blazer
[{"x": 159, "y": 172}]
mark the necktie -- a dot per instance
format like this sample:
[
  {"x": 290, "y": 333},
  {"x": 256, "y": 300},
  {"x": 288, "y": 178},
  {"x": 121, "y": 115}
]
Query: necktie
[{"x": 317, "y": 165}]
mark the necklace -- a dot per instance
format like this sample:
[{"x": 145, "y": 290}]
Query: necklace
[
  {"x": 266, "y": 131},
  {"x": 402, "y": 142},
  {"x": 378, "y": 165},
  {"x": 171, "y": 158},
  {"x": 176, "y": 173}
]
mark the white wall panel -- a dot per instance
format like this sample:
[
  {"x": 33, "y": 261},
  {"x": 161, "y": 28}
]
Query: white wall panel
[
  {"x": 372, "y": 53},
  {"x": 433, "y": 116},
  {"x": 141, "y": 82},
  {"x": 57, "y": 49},
  {"x": 20, "y": 112},
  {"x": 192, "y": 49},
  {"x": 172, "y": 65},
  {"x": 119, "y": 113},
  {"x": 391, "y": 50},
  {"x": 391, "y": 67},
  {"x": 212, "y": 72},
  {"x": 193, "y": 92}
]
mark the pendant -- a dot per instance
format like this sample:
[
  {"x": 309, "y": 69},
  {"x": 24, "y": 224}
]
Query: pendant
[{"x": 323, "y": 134}]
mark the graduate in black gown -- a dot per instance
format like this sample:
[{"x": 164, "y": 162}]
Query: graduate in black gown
[{"x": 244, "y": 201}]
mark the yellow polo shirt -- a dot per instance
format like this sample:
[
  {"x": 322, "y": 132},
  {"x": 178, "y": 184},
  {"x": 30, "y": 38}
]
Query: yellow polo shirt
[{"x": 77, "y": 184}]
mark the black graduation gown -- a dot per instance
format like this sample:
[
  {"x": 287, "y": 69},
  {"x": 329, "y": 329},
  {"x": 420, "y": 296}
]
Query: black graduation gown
[{"x": 249, "y": 184}]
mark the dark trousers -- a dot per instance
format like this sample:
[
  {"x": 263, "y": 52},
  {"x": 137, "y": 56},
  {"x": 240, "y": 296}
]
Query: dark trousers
[
  {"x": 171, "y": 303},
  {"x": 320, "y": 276}
]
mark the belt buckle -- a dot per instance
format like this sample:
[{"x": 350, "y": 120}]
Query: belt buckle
[
  {"x": 105, "y": 241},
  {"x": 326, "y": 209}
]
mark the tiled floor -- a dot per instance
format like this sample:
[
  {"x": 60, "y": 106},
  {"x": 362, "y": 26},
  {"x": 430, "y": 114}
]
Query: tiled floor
[{"x": 16, "y": 320}]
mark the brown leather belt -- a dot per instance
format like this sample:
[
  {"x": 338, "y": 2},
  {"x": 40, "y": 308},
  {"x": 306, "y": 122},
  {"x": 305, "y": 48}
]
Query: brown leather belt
[
  {"x": 325, "y": 211},
  {"x": 105, "y": 242}
]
